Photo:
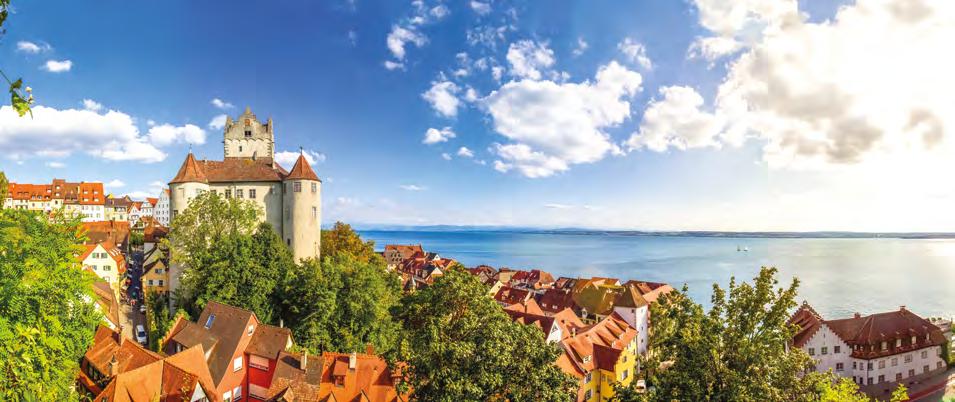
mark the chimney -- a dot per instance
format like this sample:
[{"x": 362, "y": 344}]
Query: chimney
[
  {"x": 281, "y": 323},
  {"x": 113, "y": 366},
  {"x": 352, "y": 361},
  {"x": 121, "y": 337},
  {"x": 857, "y": 315},
  {"x": 902, "y": 308},
  {"x": 369, "y": 349},
  {"x": 304, "y": 362}
]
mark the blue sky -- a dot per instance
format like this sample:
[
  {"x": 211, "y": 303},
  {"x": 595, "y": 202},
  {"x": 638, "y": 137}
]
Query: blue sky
[{"x": 658, "y": 142}]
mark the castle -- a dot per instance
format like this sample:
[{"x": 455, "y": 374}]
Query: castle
[{"x": 291, "y": 200}]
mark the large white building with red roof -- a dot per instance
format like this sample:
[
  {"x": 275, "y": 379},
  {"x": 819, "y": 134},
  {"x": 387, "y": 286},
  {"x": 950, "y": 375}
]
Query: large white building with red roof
[
  {"x": 879, "y": 348},
  {"x": 290, "y": 199}
]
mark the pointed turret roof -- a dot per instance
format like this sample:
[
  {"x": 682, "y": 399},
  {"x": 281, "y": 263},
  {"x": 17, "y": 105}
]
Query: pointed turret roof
[
  {"x": 302, "y": 170},
  {"x": 190, "y": 171}
]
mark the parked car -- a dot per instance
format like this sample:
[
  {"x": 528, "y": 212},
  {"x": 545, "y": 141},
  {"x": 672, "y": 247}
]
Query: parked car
[
  {"x": 142, "y": 308},
  {"x": 140, "y": 334}
]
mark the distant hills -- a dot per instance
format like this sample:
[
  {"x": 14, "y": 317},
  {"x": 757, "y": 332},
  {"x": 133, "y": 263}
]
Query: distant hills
[{"x": 695, "y": 233}]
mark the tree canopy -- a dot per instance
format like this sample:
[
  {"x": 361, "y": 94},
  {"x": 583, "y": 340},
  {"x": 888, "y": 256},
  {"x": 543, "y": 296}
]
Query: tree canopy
[
  {"x": 736, "y": 351},
  {"x": 341, "y": 304},
  {"x": 47, "y": 309},
  {"x": 4, "y": 184},
  {"x": 461, "y": 346},
  {"x": 342, "y": 239}
]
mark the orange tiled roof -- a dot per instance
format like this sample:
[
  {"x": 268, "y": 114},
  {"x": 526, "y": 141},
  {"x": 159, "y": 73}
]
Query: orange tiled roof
[
  {"x": 599, "y": 346},
  {"x": 174, "y": 378},
  {"x": 82, "y": 193},
  {"x": 369, "y": 380},
  {"x": 110, "y": 248},
  {"x": 302, "y": 170}
]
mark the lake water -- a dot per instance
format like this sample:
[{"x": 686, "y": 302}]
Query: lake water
[{"x": 838, "y": 276}]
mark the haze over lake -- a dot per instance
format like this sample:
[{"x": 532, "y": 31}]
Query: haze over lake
[{"x": 839, "y": 276}]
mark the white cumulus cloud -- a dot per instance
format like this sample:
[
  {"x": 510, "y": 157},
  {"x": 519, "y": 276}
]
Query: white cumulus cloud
[
  {"x": 115, "y": 183},
  {"x": 636, "y": 52},
  {"x": 400, "y": 37},
  {"x": 529, "y": 58},
  {"x": 167, "y": 134},
  {"x": 412, "y": 187},
  {"x": 582, "y": 47},
  {"x": 92, "y": 105},
  {"x": 465, "y": 152},
  {"x": 58, "y": 66},
  {"x": 32, "y": 47},
  {"x": 555, "y": 125},
  {"x": 287, "y": 158},
  {"x": 677, "y": 121},
  {"x": 56, "y": 165},
  {"x": 221, "y": 104},
  {"x": 480, "y": 7},
  {"x": 870, "y": 84},
  {"x": 53, "y": 132},
  {"x": 443, "y": 98},
  {"x": 434, "y": 136}
]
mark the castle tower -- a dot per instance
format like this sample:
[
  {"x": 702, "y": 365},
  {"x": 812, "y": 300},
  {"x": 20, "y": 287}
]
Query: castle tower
[
  {"x": 189, "y": 182},
  {"x": 302, "y": 203},
  {"x": 246, "y": 137}
]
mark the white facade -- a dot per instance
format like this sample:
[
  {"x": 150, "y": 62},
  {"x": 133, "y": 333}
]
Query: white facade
[
  {"x": 832, "y": 353},
  {"x": 161, "y": 212},
  {"x": 638, "y": 318}
]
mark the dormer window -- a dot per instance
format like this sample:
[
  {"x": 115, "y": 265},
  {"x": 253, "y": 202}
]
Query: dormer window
[
  {"x": 914, "y": 339},
  {"x": 898, "y": 343},
  {"x": 587, "y": 359},
  {"x": 884, "y": 346}
]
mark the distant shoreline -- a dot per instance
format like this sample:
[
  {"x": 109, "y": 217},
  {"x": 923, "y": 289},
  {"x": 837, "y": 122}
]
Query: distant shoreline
[{"x": 699, "y": 233}]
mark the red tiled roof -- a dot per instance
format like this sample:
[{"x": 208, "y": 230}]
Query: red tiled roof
[
  {"x": 268, "y": 341},
  {"x": 509, "y": 295},
  {"x": 110, "y": 249},
  {"x": 554, "y": 300},
  {"x": 100, "y": 231},
  {"x": 189, "y": 172},
  {"x": 650, "y": 291},
  {"x": 129, "y": 355},
  {"x": 302, "y": 170},
  {"x": 174, "y": 378},
  {"x": 866, "y": 334},
  {"x": 82, "y": 193},
  {"x": 630, "y": 298},
  {"x": 600, "y": 345},
  {"x": 371, "y": 380}
]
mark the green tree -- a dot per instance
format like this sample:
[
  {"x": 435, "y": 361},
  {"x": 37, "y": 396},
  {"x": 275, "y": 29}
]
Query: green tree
[
  {"x": 237, "y": 270},
  {"x": 47, "y": 312},
  {"x": 136, "y": 239},
  {"x": 830, "y": 388},
  {"x": 342, "y": 239},
  {"x": 159, "y": 318},
  {"x": 228, "y": 256},
  {"x": 20, "y": 98},
  {"x": 4, "y": 184},
  {"x": 341, "y": 304},
  {"x": 735, "y": 351},
  {"x": 460, "y": 346}
]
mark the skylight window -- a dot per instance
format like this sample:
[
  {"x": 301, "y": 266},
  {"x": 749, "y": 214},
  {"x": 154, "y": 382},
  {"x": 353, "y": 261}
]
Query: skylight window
[{"x": 209, "y": 320}]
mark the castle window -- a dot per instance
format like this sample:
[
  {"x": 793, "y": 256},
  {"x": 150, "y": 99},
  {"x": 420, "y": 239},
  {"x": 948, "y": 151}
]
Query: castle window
[
  {"x": 252, "y": 193},
  {"x": 314, "y": 213},
  {"x": 297, "y": 187},
  {"x": 240, "y": 148},
  {"x": 248, "y": 134},
  {"x": 314, "y": 188},
  {"x": 238, "y": 193}
]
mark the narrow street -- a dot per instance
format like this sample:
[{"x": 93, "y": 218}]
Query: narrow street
[{"x": 132, "y": 299}]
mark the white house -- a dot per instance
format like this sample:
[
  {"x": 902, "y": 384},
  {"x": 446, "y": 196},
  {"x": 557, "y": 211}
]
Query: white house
[
  {"x": 873, "y": 349},
  {"x": 161, "y": 210}
]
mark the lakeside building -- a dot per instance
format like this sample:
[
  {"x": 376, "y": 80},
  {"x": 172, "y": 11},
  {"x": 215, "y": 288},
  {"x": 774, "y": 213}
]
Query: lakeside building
[
  {"x": 83, "y": 199},
  {"x": 875, "y": 349},
  {"x": 290, "y": 200}
]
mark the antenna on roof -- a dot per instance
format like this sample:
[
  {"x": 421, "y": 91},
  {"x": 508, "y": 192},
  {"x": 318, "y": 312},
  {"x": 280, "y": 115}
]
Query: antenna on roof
[
  {"x": 190, "y": 148},
  {"x": 301, "y": 149}
]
